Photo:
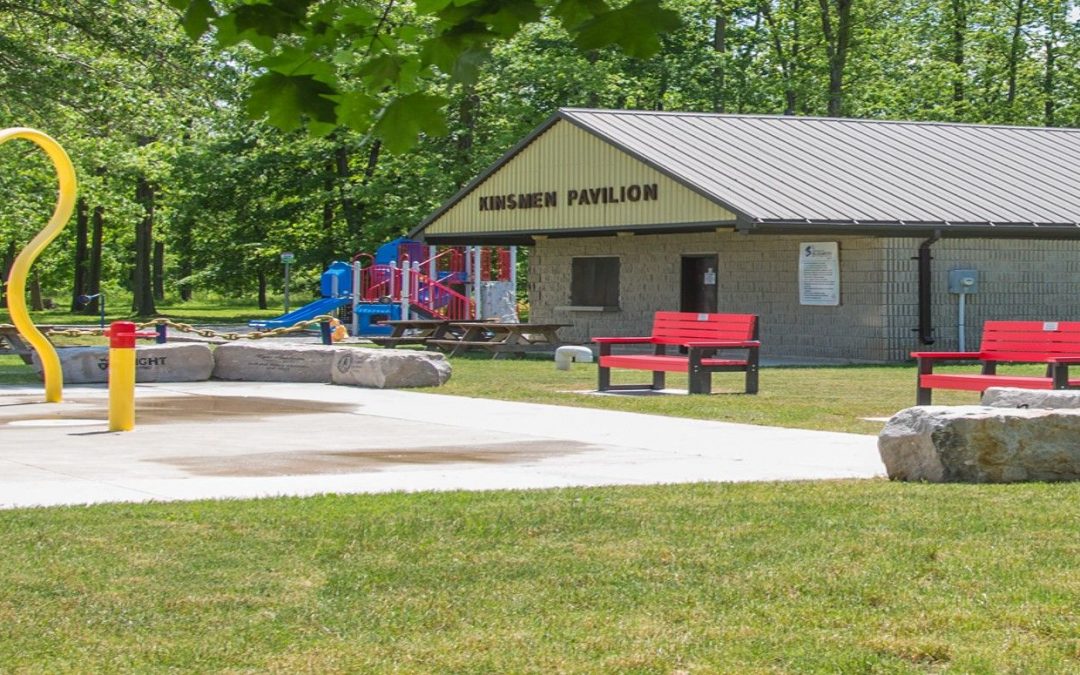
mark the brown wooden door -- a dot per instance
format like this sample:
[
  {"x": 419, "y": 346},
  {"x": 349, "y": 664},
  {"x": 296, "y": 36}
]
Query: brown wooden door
[{"x": 698, "y": 284}]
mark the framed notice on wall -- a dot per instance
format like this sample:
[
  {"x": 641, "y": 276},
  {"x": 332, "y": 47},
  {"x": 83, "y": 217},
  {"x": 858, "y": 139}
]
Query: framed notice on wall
[{"x": 819, "y": 273}]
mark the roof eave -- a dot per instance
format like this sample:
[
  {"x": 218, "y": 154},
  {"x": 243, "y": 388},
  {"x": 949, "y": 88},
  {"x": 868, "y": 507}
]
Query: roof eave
[{"x": 900, "y": 228}]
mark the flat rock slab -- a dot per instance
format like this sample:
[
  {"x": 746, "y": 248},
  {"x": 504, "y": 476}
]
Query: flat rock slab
[
  {"x": 181, "y": 362},
  {"x": 273, "y": 362},
  {"x": 980, "y": 444},
  {"x": 1010, "y": 397},
  {"x": 354, "y": 366},
  {"x": 387, "y": 369}
]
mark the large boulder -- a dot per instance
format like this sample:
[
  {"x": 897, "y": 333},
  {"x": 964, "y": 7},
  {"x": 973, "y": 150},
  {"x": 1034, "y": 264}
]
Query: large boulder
[
  {"x": 180, "y": 362},
  {"x": 289, "y": 362},
  {"x": 1011, "y": 397},
  {"x": 265, "y": 361},
  {"x": 390, "y": 369},
  {"x": 979, "y": 444}
]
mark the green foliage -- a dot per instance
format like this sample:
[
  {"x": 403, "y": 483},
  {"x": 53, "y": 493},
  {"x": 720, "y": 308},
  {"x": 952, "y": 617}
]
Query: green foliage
[{"x": 327, "y": 60}]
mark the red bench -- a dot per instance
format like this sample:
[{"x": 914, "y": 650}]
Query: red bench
[
  {"x": 701, "y": 336},
  {"x": 1055, "y": 343}
]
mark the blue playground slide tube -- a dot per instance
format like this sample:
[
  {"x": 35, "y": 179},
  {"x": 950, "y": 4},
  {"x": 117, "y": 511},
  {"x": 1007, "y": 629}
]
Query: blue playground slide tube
[{"x": 308, "y": 311}]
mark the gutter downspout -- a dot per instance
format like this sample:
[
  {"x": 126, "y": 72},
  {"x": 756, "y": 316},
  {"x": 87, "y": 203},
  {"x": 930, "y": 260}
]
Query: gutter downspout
[{"x": 926, "y": 322}]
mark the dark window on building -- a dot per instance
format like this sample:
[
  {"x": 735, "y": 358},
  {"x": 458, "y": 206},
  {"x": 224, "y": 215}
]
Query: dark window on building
[{"x": 594, "y": 282}]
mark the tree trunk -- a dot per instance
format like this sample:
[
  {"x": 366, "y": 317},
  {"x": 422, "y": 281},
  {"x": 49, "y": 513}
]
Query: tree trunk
[
  {"x": 8, "y": 261},
  {"x": 592, "y": 99},
  {"x": 262, "y": 289},
  {"x": 93, "y": 276},
  {"x": 36, "y": 302},
  {"x": 372, "y": 160},
  {"x": 719, "y": 45},
  {"x": 142, "y": 277},
  {"x": 142, "y": 286},
  {"x": 743, "y": 57},
  {"x": 1049, "y": 88},
  {"x": 837, "y": 41},
  {"x": 360, "y": 207},
  {"x": 159, "y": 270},
  {"x": 80, "y": 267},
  {"x": 1049, "y": 85},
  {"x": 343, "y": 165},
  {"x": 1014, "y": 58},
  {"x": 787, "y": 58},
  {"x": 463, "y": 145},
  {"x": 959, "y": 34},
  {"x": 328, "y": 239}
]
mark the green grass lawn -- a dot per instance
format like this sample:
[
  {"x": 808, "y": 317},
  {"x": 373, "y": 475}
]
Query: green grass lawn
[
  {"x": 834, "y": 398},
  {"x": 828, "y": 577}
]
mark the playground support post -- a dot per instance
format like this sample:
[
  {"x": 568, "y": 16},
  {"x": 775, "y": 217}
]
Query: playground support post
[
  {"x": 477, "y": 276},
  {"x": 65, "y": 204},
  {"x": 356, "y": 295},
  {"x": 405, "y": 286}
]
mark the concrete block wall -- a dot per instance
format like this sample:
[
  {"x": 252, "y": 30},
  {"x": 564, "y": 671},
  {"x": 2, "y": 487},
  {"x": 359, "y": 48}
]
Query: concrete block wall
[
  {"x": 757, "y": 274},
  {"x": 1018, "y": 280}
]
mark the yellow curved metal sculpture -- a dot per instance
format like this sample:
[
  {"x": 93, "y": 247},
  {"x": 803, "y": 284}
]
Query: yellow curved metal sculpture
[{"x": 65, "y": 204}]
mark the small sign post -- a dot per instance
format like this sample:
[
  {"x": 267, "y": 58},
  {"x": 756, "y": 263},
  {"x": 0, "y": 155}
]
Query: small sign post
[{"x": 287, "y": 258}]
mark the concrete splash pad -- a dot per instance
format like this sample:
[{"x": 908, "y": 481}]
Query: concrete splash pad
[{"x": 241, "y": 439}]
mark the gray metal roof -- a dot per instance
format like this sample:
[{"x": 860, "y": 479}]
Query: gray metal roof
[
  {"x": 839, "y": 174},
  {"x": 792, "y": 170}
]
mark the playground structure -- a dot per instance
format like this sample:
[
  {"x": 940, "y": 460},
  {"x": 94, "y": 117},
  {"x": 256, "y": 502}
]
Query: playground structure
[{"x": 406, "y": 279}]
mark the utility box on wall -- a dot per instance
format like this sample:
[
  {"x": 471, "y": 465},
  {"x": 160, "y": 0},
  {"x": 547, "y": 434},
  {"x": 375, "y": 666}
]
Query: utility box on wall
[{"x": 963, "y": 281}]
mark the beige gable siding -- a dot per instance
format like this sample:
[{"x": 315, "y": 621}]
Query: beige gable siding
[{"x": 565, "y": 162}]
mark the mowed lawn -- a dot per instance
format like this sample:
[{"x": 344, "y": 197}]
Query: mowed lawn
[
  {"x": 830, "y": 577},
  {"x": 833, "y": 398},
  {"x": 805, "y": 577}
]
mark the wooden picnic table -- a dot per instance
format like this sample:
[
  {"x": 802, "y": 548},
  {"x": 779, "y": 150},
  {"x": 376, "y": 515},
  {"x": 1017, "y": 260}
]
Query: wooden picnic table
[
  {"x": 414, "y": 332},
  {"x": 501, "y": 338},
  {"x": 11, "y": 342}
]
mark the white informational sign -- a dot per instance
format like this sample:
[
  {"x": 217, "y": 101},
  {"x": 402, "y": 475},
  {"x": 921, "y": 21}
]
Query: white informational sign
[{"x": 819, "y": 273}]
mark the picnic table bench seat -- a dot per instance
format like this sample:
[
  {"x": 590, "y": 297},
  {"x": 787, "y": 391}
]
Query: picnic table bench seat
[
  {"x": 498, "y": 337},
  {"x": 701, "y": 336},
  {"x": 1055, "y": 343}
]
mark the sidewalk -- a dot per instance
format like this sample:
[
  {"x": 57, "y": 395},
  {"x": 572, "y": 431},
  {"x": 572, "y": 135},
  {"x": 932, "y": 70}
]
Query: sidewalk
[{"x": 197, "y": 440}]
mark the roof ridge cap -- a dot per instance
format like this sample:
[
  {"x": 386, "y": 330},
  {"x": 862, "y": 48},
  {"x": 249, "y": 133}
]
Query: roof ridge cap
[{"x": 812, "y": 118}]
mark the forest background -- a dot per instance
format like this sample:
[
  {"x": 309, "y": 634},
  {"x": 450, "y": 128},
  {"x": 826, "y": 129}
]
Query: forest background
[{"x": 201, "y": 158}]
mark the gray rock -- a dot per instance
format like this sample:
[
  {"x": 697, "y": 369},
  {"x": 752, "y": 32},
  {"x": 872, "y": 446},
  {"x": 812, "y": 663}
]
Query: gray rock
[
  {"x": 1010, "y": 397},
  {"x": 273, "y": 362},
  {"x": 390, "y": 369},
  {"x": 181, "y": 362},
  {"x": 978, "y": 444}
]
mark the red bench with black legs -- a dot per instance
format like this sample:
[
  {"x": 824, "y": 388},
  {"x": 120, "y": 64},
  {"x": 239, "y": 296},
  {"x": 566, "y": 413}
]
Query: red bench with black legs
[
  {"x": 701, "y": 336},
  {"x": 1055, "y": 343}
]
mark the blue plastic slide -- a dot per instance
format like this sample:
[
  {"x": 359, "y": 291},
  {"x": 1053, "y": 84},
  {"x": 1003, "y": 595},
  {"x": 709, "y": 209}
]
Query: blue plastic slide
[{"x": 308, "y": 311}]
